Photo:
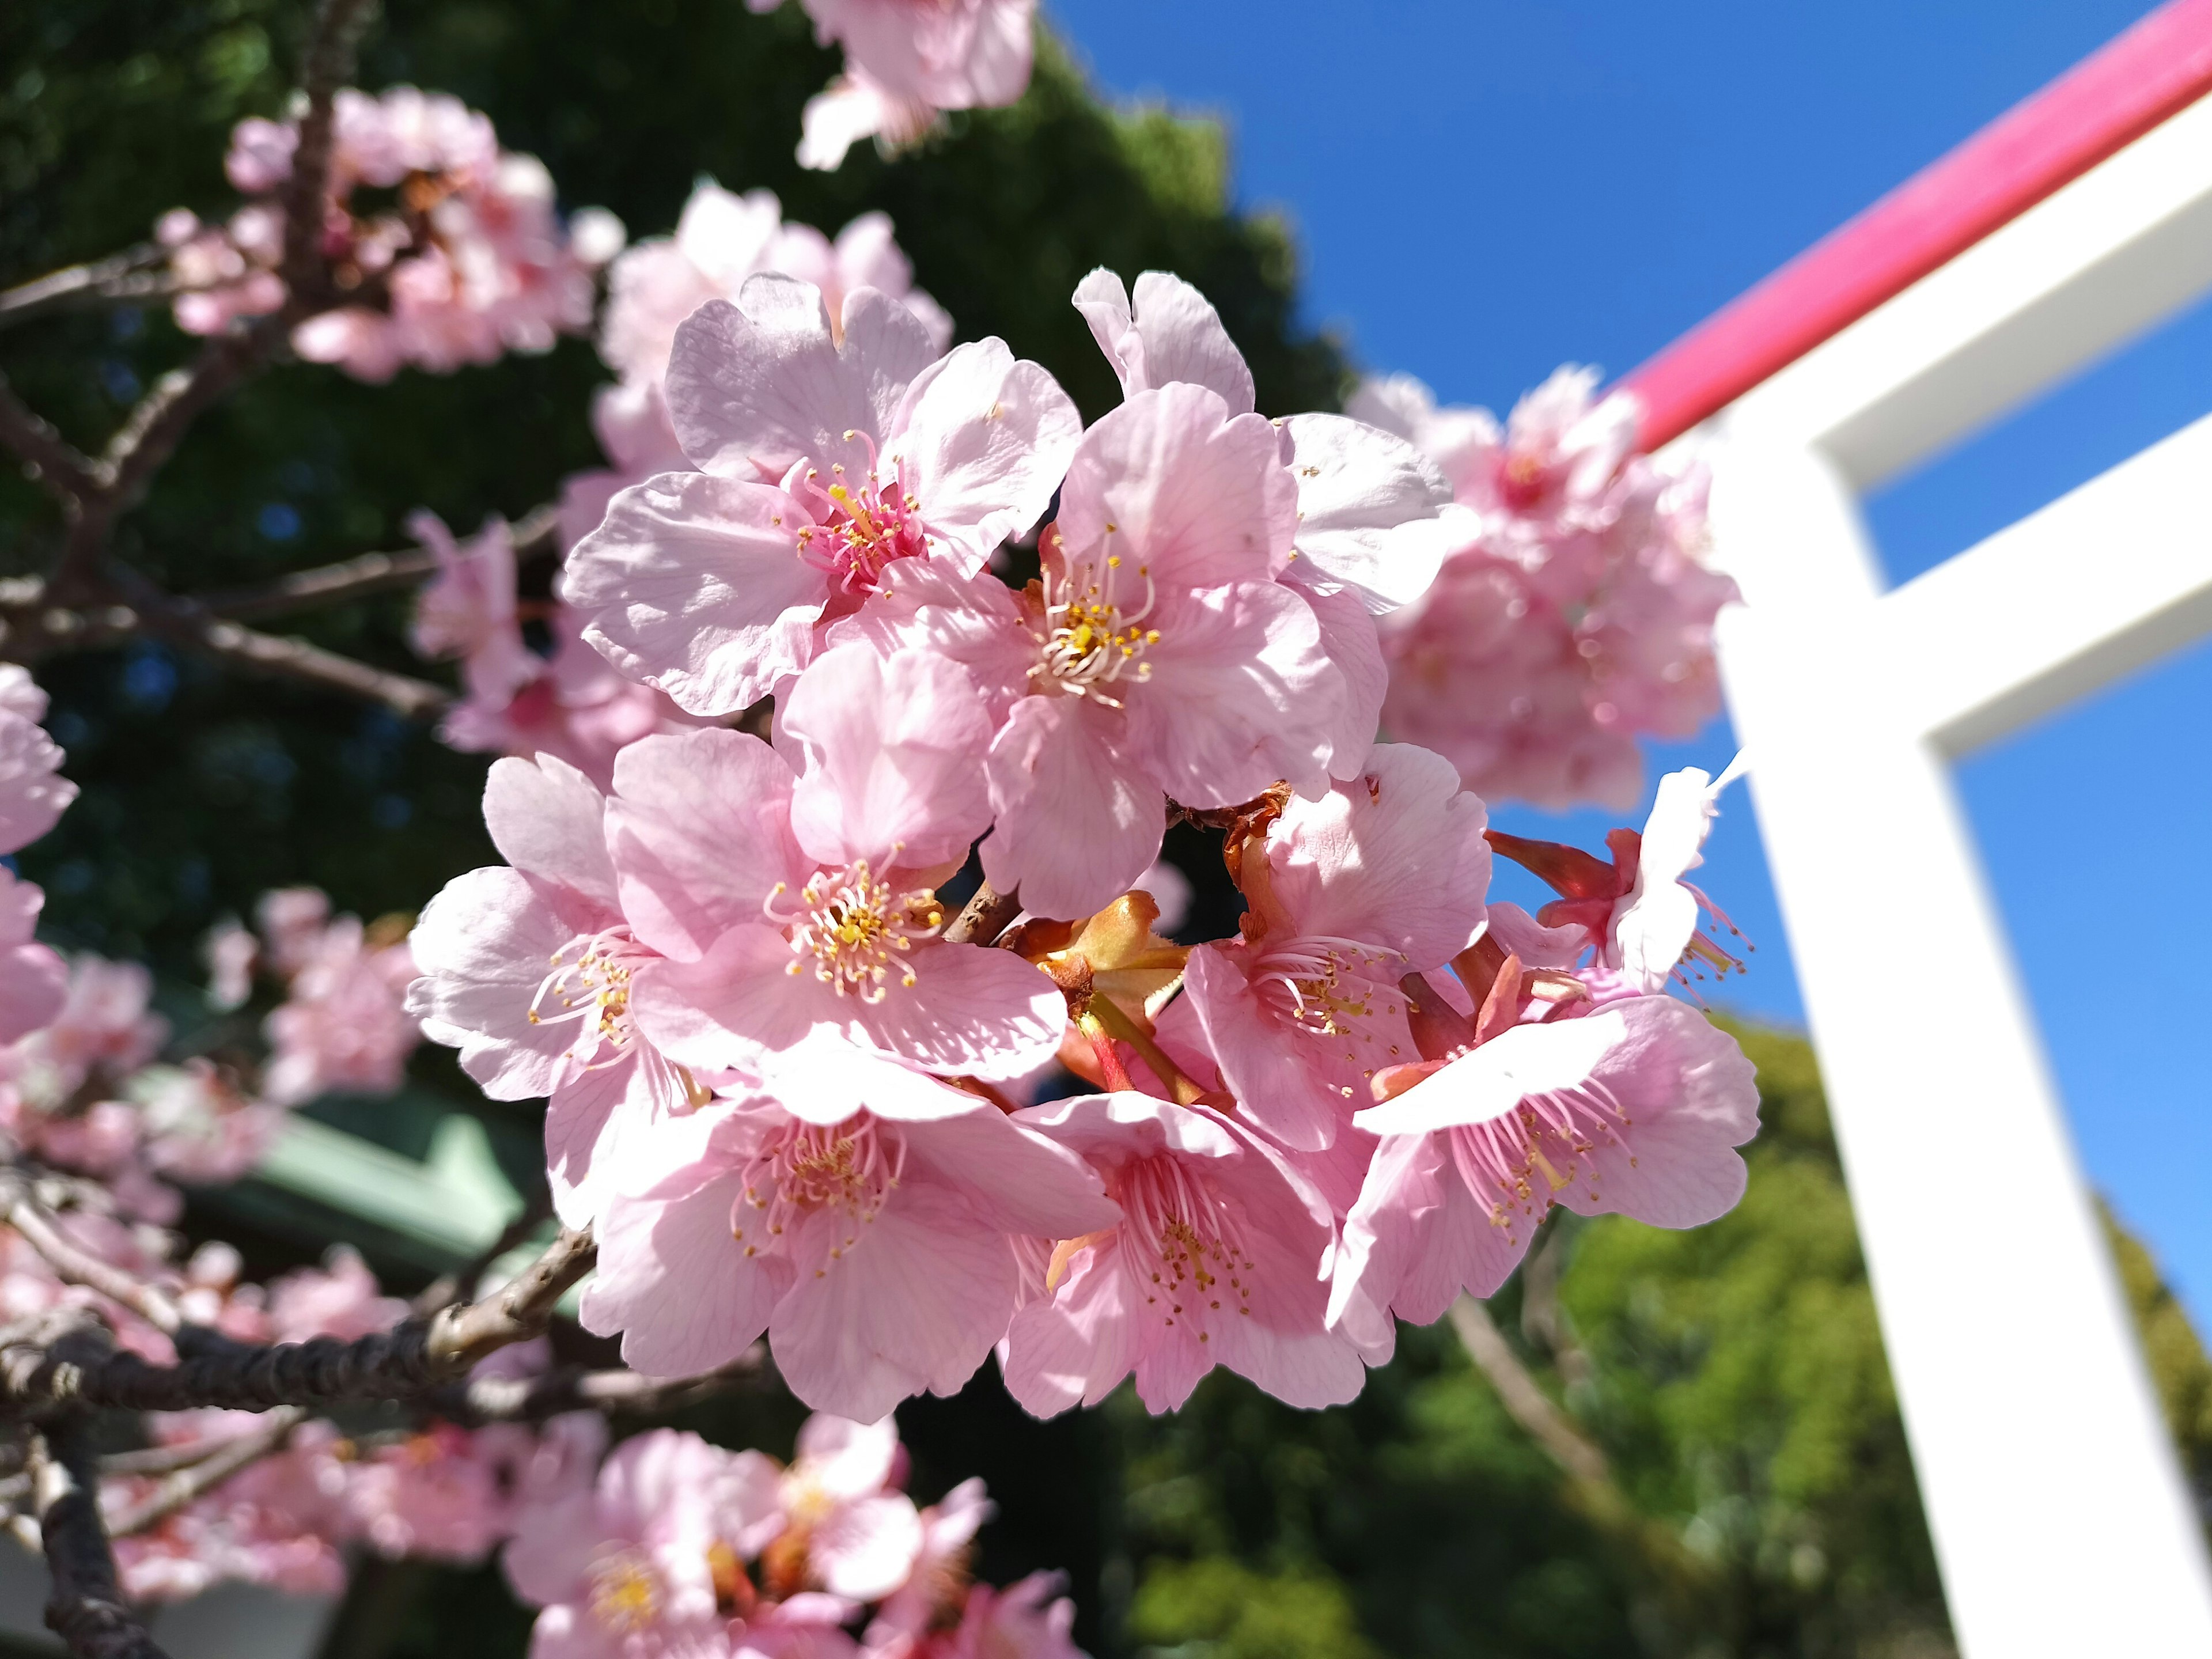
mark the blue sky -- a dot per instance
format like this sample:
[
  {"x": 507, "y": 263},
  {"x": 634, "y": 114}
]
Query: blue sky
[{"x": 1483, "y": 189}]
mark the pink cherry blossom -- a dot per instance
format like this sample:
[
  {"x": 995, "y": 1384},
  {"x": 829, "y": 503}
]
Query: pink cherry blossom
[
  {"x": 196, "y": 1126},
  {"x": 721, "y": 240},
  {"x": 1030, "y": 1618},
  {"x": 343, "y": 1023},
  {"x": 574, "y": 705},
  {"x": 627, "y": 1571},
  {"x": 33, "y": 796},
  {"x": 467, "y": 610},
  {"x": 1634, "y": 1107},
  {"x": 33, "y": 980},
  {"x": 1158, "y": 658},
  {"x": 526, "y": 1030},
  {"x": 1214, "y": 1260},
  {"x": 104, "y": 1030},
  {"x": 710, "y": 584},
  {"x": 792, "y": 908},
  {"x": 937, "y": 1583},
  {"x": 1381, "y": 877},
  {"x": 907, "y": 59},
  {"x": 1375, "y": 517},
  {"x": 877, "y": 1253},
  {"x": 1374, "y": 514},
  {"x": 471, "y": 262},
  {"x": 1571, "y": 614},
  {"x": 340, "y": 1298},
  {"x": 1632, "y": 920},
  {"x": 858, "y": 1538}
]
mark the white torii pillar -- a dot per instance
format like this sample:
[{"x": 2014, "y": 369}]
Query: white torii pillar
[{"x": 2060, "y": 1519}]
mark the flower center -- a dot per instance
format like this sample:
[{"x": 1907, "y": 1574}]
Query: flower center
[
  {"x": 1182, "y": 1238},
  {"x": 804, "y": 1168},
  {"x": 1524, "y": 479},
  {"x": 1518, "y": 1162},
  {"x": 590, "y": 983},
  {"x": 860, "y": 529},
  {"x": 625, "y": 1592},
  {"x": 1327, "y": 986},
  {"x": 1093, "y": 634},
  {"x": 858, "y": 927}
]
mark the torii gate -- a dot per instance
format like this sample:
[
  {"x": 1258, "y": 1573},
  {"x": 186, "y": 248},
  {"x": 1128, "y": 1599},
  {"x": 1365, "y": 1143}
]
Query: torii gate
[{"x": 2077, "y": 221}]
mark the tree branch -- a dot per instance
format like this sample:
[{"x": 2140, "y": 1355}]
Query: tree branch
[
  {"x": 78, "y": 1267},
  {"x": 47, "y": 457},
  {"x": 535, "y": 537},
  {"x": 1649, "y": 1546},
  {"x": 87, "y": 1609},
  {"x": 533, "y": 1399},
  {"x": 984, "y": 917},
  {"x": 214, "y": 1466},
  {"x": 81, "y": 1368},
  {"x": 326, "y": 65},
  {"x": 136, "y": 273}
]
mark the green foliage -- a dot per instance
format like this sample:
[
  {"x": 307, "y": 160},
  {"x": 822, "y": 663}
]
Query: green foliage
[
  {"x": 1213, "y": 1608},
  {"x": 2180, "y": 1368}
]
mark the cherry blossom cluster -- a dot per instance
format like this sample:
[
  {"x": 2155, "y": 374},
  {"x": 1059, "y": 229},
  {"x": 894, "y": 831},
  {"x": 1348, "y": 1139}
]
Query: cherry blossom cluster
[
  {"x": 683, "y": 1547},
  {"x": 1574, "y": 617},
  {"x": 788, "y": 1092},
  {"x": 905, "y": 62},
  {"x": 432, "y": 1490},
  {"x": 567, "y": 699},
  {"x": 81, "y": 1087},
  {"x": 442, "y": 248}
]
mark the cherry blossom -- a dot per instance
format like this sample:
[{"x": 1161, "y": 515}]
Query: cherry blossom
[
  {"x": 33, "y": 980},
  {"x": 33, "y": 797},
  {"x": 844, "y": 1529},
  {"x": 1215, "y": 1259},
  {"x": 791, "y": 908},
  {"x": 564, "y": 1032},
  {"x": 1633, "y": 1107},
  {"x": 1381, "y": 877},
  {"x": 471, "y": 261},
  {"x": 905, "y": 60},
  {"x": 1571, "y": 614},
  {"x": 710, "y": 584},
  {"x": 878, "y": 1252},
  {"x": 1633, "y": 917},
  {"x": 343, "y": 1023},
  {"x": 721, "y": 240}
]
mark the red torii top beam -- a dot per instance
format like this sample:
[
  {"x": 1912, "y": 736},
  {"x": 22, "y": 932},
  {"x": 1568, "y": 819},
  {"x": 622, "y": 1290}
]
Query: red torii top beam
[{"x": 2153, "y": 70}]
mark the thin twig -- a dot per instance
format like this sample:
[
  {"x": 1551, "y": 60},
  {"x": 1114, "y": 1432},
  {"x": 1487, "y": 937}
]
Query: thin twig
[
  {"x": 533, "y": 1399},
  {"x": 228, "y": 1457},
  {"x": 182, "y": 621},
  {"x": 1652, "y": 1548},
  {"x": 136, "y": 273},
  {"x": 985, "y": 916},
  {"x": 327, "y": 64},
  {"x": 521, "y": 1309},
  {"x": 47, "y": 457},
  {"x": 79, "y": 1267},
  {"x": 1526, "y": 1402},
  {"x": 463, "y": 1280},
  {"x": 87, "y": 1609},
  {"x": 535, "y": 536}
]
